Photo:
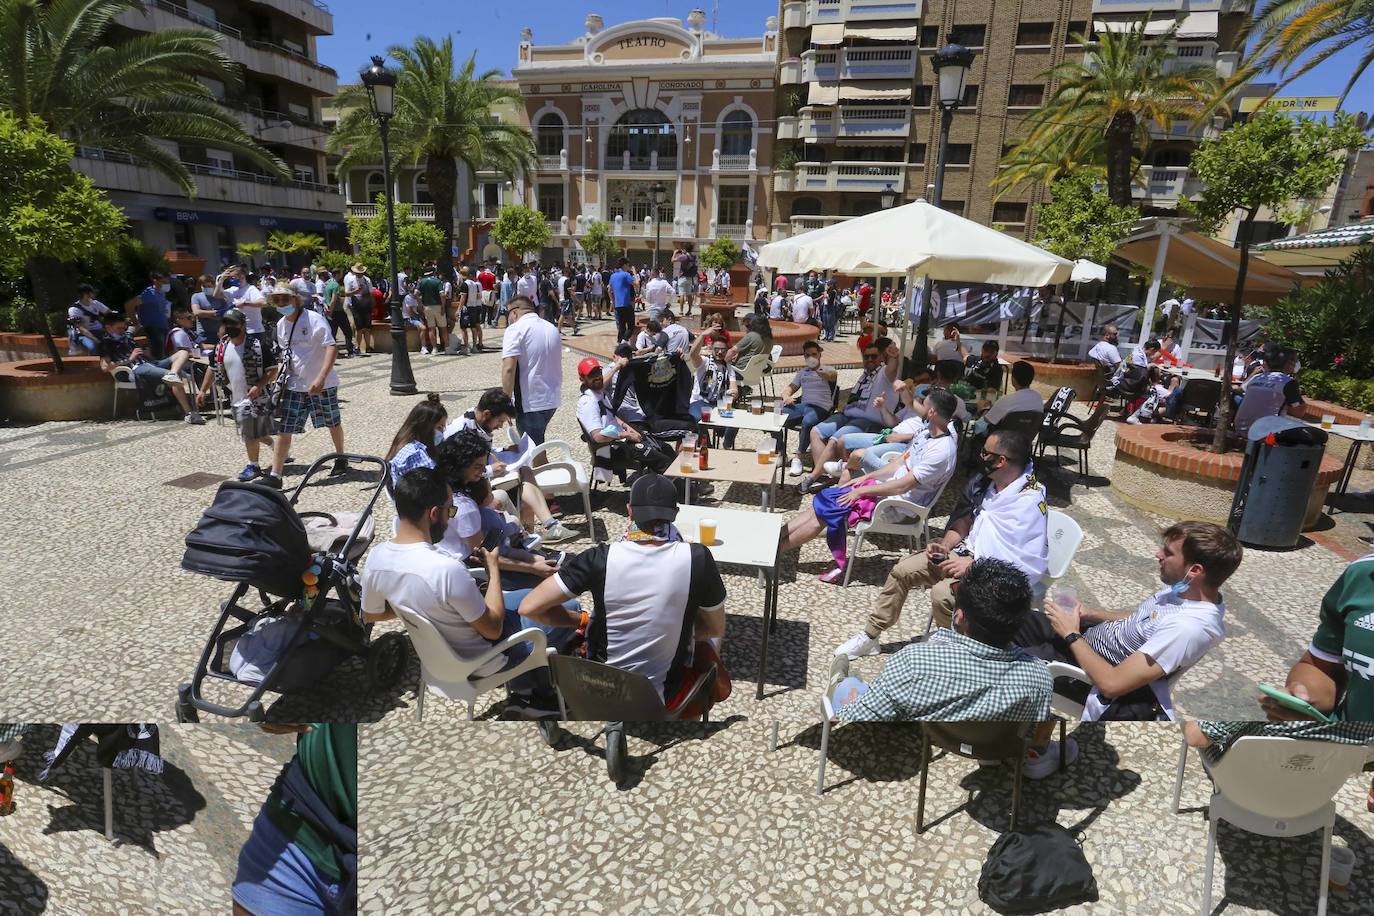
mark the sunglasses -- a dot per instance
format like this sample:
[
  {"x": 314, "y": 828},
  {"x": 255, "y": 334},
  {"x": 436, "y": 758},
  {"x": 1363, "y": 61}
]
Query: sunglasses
[{"x": 985, "y": 454}]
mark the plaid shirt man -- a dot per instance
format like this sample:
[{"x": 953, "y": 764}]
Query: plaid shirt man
[{"x": 952, "y": 677}]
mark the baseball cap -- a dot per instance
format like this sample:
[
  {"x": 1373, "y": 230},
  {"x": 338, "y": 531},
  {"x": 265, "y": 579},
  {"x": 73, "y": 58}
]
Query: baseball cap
[
  {"x": 234, "y": 317},
  {"x": 587, "y": 367},
  {"x": 653, "y": 498}
]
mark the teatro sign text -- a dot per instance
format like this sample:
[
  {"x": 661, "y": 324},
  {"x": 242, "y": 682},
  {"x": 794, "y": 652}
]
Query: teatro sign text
[{"x": 641, "y": 41}]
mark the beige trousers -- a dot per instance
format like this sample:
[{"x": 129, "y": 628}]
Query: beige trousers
[{"x": 913, "y": 571}]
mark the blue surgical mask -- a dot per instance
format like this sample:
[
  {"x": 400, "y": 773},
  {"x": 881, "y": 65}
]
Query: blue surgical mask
[
  {"x": 208, "y": 290},
  {"x": 166, "y": 288},
  {"x": 1182, "y": 585},
  {"x": 438, "y": 436},
  {"x": 287, "y": 310}
]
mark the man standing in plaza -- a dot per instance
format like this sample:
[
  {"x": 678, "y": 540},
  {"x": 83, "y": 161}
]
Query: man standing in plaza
[
  {"x": 686, "y": 261},
  {"x": 307, "y": 350},
  {"x": 486, "y": 278},
  {"x": 623, "y": 298},
  {"x": 358, "y": 292},
  {"x": 531, "y": 368},
  {"x": 656, "y": 293},
  {"x": 153, "y": 312},
  {"x": 431, "y": 290}
]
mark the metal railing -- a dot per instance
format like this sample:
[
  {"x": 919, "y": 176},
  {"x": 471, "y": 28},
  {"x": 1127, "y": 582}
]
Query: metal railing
[
  {"x": 423, "y": 212},
  {"x": 734, "y": 162},
  {"x": 178, "y": 9},
  {"x": 292, "y": 53},
  {"x": 269, "y": 114}
]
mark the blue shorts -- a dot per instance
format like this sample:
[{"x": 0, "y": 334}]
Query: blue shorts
[
  {"x": 276, "y": 879},
  {"x": 322, "y": 408}
]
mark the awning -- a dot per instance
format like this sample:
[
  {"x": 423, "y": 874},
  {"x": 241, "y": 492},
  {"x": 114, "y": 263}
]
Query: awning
[
  {"x": 1157, "y": 25},
  {"x": 1198, "y": 25},
  {"x": 1206, "y": 267},
  {"x": 821, "y": 94},
  {"x": 865, "y": 90},
  {"x": 828, "y": 33},
  {"x": 883, "y": 32}
]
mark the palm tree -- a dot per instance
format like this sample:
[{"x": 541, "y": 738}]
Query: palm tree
[
  {"x": 62, "y": 63},
  {"x": 443, "y": 118},
  {"x": 1113, "y": 95},
  {"x": 1044, "y": 163},
  {"x": 1288, "y": 30}
]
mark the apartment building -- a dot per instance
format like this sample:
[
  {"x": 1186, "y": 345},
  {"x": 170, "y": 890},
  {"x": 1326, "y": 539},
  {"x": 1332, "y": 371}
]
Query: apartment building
[
  {"x": 278, "y": 103},
  {"x": 619, "y": 108},
  {"x": 856, "y": 111}
]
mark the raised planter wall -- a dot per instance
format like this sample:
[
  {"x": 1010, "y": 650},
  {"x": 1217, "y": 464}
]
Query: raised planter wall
[
  {"x": 30, "y": 393},
  {"x": 1050, "y": 377}
]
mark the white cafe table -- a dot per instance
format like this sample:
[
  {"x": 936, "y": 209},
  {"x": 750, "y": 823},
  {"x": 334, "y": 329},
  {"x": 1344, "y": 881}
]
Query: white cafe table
[
  {"x": 1358, "y": 437},
  {"x": 770, "y": 421},
  {"x": 743, "y": 539},
  {"x": 729, "y": 466}
]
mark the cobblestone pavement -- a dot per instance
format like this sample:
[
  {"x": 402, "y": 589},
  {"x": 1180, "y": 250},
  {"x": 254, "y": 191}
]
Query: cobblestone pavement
[
  {"x": 534, "y": 829},
  {"x": 177, "y": 836},
  {"x": 108, "y": 623}
]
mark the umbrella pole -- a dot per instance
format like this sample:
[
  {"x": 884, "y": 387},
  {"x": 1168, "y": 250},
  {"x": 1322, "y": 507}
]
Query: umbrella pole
[{"x": 906, "y": 321}]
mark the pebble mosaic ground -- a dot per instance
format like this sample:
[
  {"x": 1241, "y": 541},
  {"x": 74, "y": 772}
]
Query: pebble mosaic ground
[{"x": 107, "y": 624}]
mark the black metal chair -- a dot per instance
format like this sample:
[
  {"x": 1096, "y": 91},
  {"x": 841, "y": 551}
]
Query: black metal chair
[
  {"x": 1027, "y": 422},
  {"x": 1070, "y": 432},
  {"x": 1008, "y": 742},
  {"x": 1134, "y": 383},
  {"x": 1199, "y": 400}
]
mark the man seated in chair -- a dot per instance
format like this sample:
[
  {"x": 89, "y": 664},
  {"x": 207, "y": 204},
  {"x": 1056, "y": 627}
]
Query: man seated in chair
[
  {"x": 655, "y": 596},
  {"x": 604, "y": 428},
  {"x": 1000, "y": 514},
  {"x": 1022, "y": 398},
  {"x": 117, "y": 348},
  {"x": 853, "y": 424},
  {"x": 1129, "y": 655},
  {"x": 411, "y": 572},
  {"x": 972, "y": 671},
  {"x": 917, "y": 477}
]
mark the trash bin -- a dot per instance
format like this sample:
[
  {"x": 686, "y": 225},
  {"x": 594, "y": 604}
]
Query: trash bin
[{"x": 1282, "y": 459}]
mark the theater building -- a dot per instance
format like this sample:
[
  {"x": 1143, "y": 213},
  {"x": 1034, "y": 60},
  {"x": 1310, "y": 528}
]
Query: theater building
[{"x": 618, "y": 109}]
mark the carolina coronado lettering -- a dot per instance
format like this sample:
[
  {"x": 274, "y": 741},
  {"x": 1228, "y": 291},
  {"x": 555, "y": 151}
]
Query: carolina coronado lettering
[{"x": 641, "y": 41}]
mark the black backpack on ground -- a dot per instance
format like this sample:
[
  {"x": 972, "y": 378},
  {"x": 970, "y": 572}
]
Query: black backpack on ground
[
  {"x": 1034, "y": 870},
  {"x": 250, "y": 534}
]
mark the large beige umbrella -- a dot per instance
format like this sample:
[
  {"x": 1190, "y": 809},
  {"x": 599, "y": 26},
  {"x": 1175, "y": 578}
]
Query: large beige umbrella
[{"x": 917, "y": 238}]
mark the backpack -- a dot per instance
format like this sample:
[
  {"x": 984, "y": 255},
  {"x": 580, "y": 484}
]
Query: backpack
[
  {"x": 1036, "y": 869},
  {"x": 250, "y": 534}
]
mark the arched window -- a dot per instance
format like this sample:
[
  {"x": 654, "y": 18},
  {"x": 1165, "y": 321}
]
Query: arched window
[
  {"x": 806, "y": 206},
  {"x": 422, "y": 195},
  {"x": 549, "y": 135},
  {"x": 737, "y": 134},
  {"x": 375, "y": 185},
  {"x": 642, "y": 132}
]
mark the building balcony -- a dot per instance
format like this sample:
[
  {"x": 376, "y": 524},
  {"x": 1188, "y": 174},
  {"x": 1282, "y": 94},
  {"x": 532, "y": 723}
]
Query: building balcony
[
  {"x": 819, "y": 12},
  {"x": 895, "y": 63},
  {"x": 737, "y": 233},
  {"x": 790, "y": 72},
  {"x": 785, "y": 180},
  {"x": 650, "y": 163},
  {"x": 794, "y": 14},
  {"x": 288, "y": 128},
  {"x": 314, "y": 14},
  {"x": 554, "y": 163},
  {"x": 422, "y": 212},
  {"x": 1227, "y": 61},
  {"x": 734, "y": 163},
  {"x": 1164, "y": 186},
  {"x": 789, "y": 127},
  {"x": 856, "y": 122},
  {"x": 850, "y": 176},
  {"x": 799, "y": 224}
]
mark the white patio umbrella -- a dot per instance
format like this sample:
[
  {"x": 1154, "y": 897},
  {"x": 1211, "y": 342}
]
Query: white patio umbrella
[
  {"x": 917, "y": 238},
  {"x": 1085, "y": 271}
]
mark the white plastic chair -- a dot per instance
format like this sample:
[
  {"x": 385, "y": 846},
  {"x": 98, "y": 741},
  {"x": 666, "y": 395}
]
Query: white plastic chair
[
  {"x": 562, "y": 475},
  {"x": 1064, "y": 537},
  {"x": 773, "y": 357},
  {"x": 751, "y": 376},
  {"x": 1276, "y": 787},
  {"x": 124, "y": 381},
  {"x": 1064, "y": 706},
  {"x": 448, "y": 675},
  {"x": 893, "y": 515}
]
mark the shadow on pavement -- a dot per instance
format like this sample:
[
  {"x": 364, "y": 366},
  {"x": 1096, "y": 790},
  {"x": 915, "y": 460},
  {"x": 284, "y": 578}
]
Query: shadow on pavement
[
  {"x": 21, "y": 891},
  {"x": 664, "y": 735}
]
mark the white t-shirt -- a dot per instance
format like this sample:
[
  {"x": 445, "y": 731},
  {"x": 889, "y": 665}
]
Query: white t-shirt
[
  {"x": 438, "y": 587},
  {"x": 528, "y": 286},
  {"x": 536, "y": 346},
  {"x": 310, "y": 343},
  {"x": 96, "y": 307},
  {"x": 1175, "y": 632},
  {"x": 801, "y": 308},
  {"x": 233, "y": 367},
  {"x": 679, "y": 338},
  {"x": 1105, "y": 354},
  {"x": 474, "y": 299},
  {"x": 1014, "y": 402},
  {"x": 1013, "y": 525},
  {"x": 863, "y": 408},
  {"x": 657, "y": 291},
  {"x": 1139, "y": 357},
  {"x": 775, "y": 307},
  {"x": 930, "y": 461},
  {"x": 248, "y": 299},
  {"x": 462, "y": 526},
  {"x": 947, "y": 349},
  {"x": 593, "y": 413},
  {"x": 182, "y": 340}
]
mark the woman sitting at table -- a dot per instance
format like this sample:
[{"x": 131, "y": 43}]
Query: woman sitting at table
[{"x": 917, "y": 477}]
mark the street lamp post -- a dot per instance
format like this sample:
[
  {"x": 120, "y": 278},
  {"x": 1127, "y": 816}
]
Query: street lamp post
[
  {"x": 951, "y": 64},
  {"x": 381, "y": 87},
  {"x": 659, "y": 194}
]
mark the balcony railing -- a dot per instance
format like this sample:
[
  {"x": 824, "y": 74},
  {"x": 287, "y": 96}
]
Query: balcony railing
[
  {"x": 733, "y": 162},
  {"x": 799, "y": 224},
  {"x": 822, "y": 11},
  {"x": 790, "y": 72},
  {"x": 859, "y": 63},
  {"x": 268, "y": 114},
  {"x": 554, "y": 162},
  {"x": 652, "y": 162},
  {"x": 850, "y": 176},
  {"x": 292, "y": 53},
  {"x": 732, "y": 232},
  {"x": 794, "y": 14},
  {"x": 788, "y": 127},
  {"x": 178, "y": 9},
  {"x": 1165, "y": 184},
  {"x": 855, "y": 121},
  {"x": 424, "y": 212}
]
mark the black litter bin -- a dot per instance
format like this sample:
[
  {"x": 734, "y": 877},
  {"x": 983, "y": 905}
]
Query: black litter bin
[{"x": 1282, "y": 459}]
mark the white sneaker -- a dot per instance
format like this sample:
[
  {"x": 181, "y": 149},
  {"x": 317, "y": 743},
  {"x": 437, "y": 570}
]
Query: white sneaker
[
  {"x": 10, "y": 750},
  {"x": 424, "y": 351},
  {"x": 1040, "y": 764},
  {"x": 859, "y": 646},
  {"x": 1133, "y": 420},
  {"x": 557, "y": 533},
  {"x": 795, "y": 468},
  {"x": 832, "y": 468},
  {"x": 172, "y": 378}
]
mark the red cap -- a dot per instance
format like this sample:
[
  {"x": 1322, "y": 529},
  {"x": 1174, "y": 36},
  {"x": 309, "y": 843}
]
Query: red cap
[{"x": 587, "y": 367}]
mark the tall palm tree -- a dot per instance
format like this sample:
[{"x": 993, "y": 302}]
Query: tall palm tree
[
  {"x": 63, "y": 63},
  {"x": 1044, "y": 162},
  {"x": 443, "y": 118},
  {"x": 1114, "y": 94},
  {"x": 1289, "y": 30}
]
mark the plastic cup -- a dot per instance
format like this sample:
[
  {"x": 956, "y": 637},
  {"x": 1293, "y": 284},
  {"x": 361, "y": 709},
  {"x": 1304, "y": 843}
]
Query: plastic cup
[
  {"x": 1328, "y": 420},
  {"x": 706, "y": 531},
  {"x": 706, "y": 414},
  {"x": 687, "y": 461},
  {"x": 1342, "y": 864},
  {"x": 1066, "y": 596},
  {"x": 765, "y": 453}
]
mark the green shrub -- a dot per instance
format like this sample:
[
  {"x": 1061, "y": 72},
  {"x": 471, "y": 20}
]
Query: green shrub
[
  {"x": 1331, "y": 324},
  {"x": 1354, "y": 393}
]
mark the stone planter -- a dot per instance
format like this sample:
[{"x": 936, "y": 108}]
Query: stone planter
[
  {"x": 791, "y": 336},
  {"x": 28, "y": 346},
  {"x": 1050, "y": 377},
  {"x": 381, "y": 338},
  {"x": 717, "y": 306},
  {"x": 1157, "y": 469},
  {"x": 31, "y": 393}
]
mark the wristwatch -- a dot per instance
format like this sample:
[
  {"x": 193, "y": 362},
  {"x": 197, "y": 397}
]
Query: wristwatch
[{"x": 1072, "y": 638}]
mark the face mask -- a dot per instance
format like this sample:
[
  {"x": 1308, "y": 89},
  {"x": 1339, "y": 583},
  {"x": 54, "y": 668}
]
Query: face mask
[
  {"x": 988, "y": 465},
  {"x": 232, "y": 284},
  {"x": 438, "y": 436},
  {"x": 1178, "y": 588},
  {"x": 812, "y": 362},
  {"x": 165, "y": 288},
  {"x": 1297, "y": 367},
  {"x": 287, "y": 310},
  {"x": 208, "y": 290}
]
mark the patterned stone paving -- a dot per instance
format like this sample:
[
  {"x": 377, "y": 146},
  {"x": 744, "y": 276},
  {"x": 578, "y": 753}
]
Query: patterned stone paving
[
  {"x": 106, "y": 624},
  {"x": 534, "y": 829},
  {"x": 177, "y": 836}
]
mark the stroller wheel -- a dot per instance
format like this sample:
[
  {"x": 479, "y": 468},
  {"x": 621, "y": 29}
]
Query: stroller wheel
[
  {"x": 615, "y": 751},
  {"x": 186, "y": 710},
  {"x": 386, "y": 660},
  {"x": 550, "y": 732}
]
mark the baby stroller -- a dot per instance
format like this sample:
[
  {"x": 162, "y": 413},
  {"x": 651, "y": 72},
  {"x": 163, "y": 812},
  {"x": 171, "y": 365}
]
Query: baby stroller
[{"x": 303, "y": 568}]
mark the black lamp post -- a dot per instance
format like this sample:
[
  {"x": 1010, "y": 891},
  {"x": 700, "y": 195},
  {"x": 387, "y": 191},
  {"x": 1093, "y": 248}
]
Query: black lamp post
[
  {"x": 381, "y": 88},
  {"x": 658, "y": 193},
  {"x": 951, "y": 64},
  {"x": 887, "y": 197}
]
